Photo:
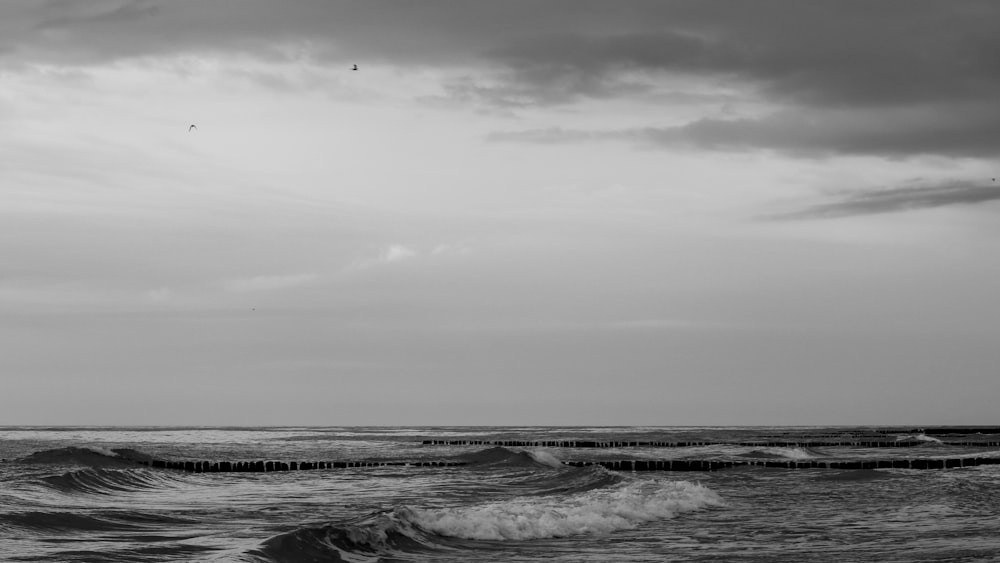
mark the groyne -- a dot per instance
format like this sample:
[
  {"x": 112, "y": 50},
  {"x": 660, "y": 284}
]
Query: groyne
[
  {"x": 261, "y": 466},
  {"x": 752, "y": 444},
  {"x": 716, "y": 465}
]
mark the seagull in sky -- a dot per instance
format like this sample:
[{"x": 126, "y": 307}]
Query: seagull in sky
[{"x": 191, "y": 127}]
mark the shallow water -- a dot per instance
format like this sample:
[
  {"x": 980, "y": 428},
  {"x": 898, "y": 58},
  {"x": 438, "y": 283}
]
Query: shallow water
[{"x": 60, "y": 503}]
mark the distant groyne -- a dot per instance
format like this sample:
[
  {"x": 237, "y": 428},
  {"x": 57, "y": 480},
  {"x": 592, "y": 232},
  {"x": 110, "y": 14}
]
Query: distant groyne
[
  {"x": 616, "y": 465},
  {"x": 269, "y": 466},
  {"x": 981, "y": 437},
  {"x": 752, "y": 444},
  {"x": 717, "y": 465}
]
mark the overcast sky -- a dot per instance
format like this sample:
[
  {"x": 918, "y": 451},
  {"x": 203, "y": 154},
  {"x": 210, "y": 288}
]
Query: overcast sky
[{"x": 513, "y": 212}]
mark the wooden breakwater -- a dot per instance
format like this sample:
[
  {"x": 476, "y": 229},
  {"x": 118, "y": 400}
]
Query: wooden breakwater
[
  {"x": 270, "y": 466},
  {"x": 717, "y": 465},
  {"x": 615, "y": 465},
  {"x": 959, "y": 430},
  {"x": 682, "y": 444}
]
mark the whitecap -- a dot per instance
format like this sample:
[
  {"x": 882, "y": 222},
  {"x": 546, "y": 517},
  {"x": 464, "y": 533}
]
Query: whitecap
[
  {"x": 545, "y": 458},
  {"x": 597, "y": 511}
]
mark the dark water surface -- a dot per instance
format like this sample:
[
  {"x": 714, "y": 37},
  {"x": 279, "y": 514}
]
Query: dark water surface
[{"x": 78, "y": 494}]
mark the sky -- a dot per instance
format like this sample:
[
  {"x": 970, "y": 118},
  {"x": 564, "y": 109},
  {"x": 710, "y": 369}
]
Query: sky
[{"x": 559, "y": 212}]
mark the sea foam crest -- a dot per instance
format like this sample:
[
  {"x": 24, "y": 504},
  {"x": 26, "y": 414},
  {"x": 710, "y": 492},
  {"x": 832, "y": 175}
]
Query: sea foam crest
[
  {"x": 545, "y": 458},
  {"x": 917, "y": 438},
  {"x": 87, "y": 455},
  {"x": 782, "y": 452},
  {"x": 597, "y": 511},
  {"x": 792, "y": 453},
  {"x": 102, "y": 451}
]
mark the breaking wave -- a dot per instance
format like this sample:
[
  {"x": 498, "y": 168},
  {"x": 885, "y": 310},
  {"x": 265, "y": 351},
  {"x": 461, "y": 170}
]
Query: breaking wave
[
  {"x": 409, "y": 530},
  {"x": 108, "y": 481},
  {"x": 89, "y": 456},
  {"x": 101, "y": 471},
  {"x": 918, "y": 438},
  {"x": 782, "y": 453},
  {"x": 595, "y": 511},
  {"x": 500, "y": 456}
]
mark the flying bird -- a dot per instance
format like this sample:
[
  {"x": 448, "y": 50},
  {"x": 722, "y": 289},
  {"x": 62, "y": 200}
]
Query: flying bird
[
  {"x": 355, "y": 67},
  {"x": 191, "y": 127}
]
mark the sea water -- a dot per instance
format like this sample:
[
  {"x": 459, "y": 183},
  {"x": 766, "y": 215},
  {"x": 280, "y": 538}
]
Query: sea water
[{"x": 80, "y": 494}]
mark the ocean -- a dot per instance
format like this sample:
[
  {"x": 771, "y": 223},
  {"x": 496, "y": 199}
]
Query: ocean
[{"x": 522, "y": 494}]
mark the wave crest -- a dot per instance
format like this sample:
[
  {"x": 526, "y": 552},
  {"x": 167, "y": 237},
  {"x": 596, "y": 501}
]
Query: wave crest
[
  {"x": 918, "y": 438},
  {"x": 595, "y": 511},
  {"x": 367, "y": 539},
  {"x": 90, "y": 456},
  {"x": 499, "y": 456},
  {"x": 405, "y": 531},
  {"x": 107, "y": 480},
  {"x": 782, "y": 453}
]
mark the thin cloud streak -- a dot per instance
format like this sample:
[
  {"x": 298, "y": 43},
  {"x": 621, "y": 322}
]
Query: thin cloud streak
[
  {"x": 89, "y": 13},
  {"x": 965, "y": 132},
  {"x": 898, "y": 200},
  {"x": 396, "y": 253}
]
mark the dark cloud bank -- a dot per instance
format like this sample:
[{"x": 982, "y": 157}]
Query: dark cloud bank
[
  {"x": 829, "y": 53},
  {"x": 892, "y": 78}
]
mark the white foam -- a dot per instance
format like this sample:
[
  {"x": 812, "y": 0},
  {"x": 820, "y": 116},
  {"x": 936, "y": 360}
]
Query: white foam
[
  {"x": 917, "y": 438},
  {"x": 102, "y": 451},
  {"x": 597, "y": 511},
  {"x": 786, "y": 452},
  {"x": 545, "y": 458},
  {"x": 791, "y": 453}
]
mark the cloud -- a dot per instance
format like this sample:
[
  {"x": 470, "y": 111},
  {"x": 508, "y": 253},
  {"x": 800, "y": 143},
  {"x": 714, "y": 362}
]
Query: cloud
[
  {"x": 552, "y": 136},
  {"x": 967, "y": 131},
  {"x": 68, "y": 14},
  {"x": 899, "y": 199},
  {"x": 812, "y": 53},
  {"x": 893, "y": 78},
  {"x": 390, "y": 254},
  {"x": 396, "y": 253},
  {"x": 815, "y": 54},
  {"x": 541, "y": 85},
  {"x": 380, "y": 32},
  {"x": 893, "y": 133},
  {"x": 451, "y": 248},
  {"x": 271, "y": 283}
]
